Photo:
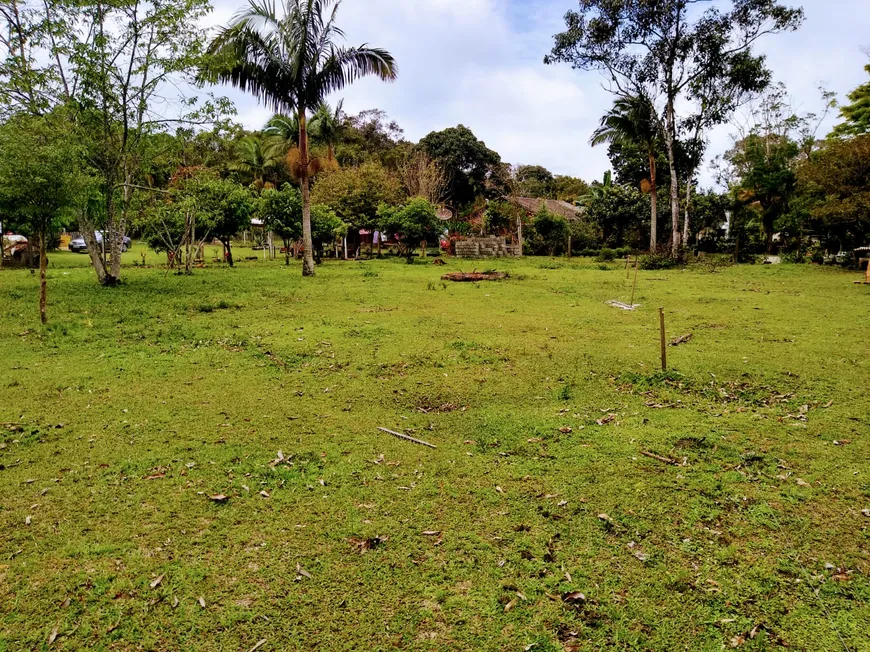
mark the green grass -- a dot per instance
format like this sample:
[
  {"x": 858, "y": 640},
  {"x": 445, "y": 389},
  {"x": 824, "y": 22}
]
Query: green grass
[{"x": 137, "y": 403}]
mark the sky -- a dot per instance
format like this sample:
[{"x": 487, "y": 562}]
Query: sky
[{"x": 480, "y": 63}]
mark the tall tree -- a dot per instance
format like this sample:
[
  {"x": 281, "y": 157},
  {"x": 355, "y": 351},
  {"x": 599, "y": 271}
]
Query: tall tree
[
  {"x": 669, "y": 51},
  {"x": 327, "y": 127},
  {"x": 856, "y": 114},
  {"x": 257, "y": 157},
  {"x": 633, "y": 121},
  {"x": 291, "y": 62},
  {"x": 467, "y": 160}
]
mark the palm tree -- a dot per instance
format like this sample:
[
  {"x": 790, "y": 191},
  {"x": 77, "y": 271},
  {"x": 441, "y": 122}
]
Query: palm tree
[
  {"x": 633, "y": 121},
  {"x": 327, "y": 125},
  {"x": 292, "y": 62},
  {"x": 256, "y": 157},
  {"x": 284, "y": 128}
]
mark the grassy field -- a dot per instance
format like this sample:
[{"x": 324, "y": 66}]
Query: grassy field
[{"x": 123, "y": 418}]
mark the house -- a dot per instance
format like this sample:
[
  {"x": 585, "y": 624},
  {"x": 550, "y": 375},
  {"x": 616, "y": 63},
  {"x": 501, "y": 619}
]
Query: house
[{"x": 532, "y": 205}]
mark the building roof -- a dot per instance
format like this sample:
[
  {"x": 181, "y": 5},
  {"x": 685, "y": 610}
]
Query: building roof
[{"x": 558, "y": 207}]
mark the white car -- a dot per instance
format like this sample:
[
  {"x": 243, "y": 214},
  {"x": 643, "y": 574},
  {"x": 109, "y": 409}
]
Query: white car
[{"x": 80, "y": 246}]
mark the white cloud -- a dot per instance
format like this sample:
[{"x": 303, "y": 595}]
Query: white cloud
[{"x": 479, "y": 63}]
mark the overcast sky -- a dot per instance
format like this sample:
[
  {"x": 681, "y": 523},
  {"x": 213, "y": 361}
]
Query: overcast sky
[{"x": 480, "y": 63}]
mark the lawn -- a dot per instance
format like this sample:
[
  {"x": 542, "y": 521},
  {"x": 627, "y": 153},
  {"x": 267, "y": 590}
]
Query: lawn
[{"x": 124, "y": 417}]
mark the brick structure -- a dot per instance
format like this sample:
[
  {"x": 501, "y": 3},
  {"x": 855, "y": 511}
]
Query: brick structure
[{"x": 486, "y": 247}]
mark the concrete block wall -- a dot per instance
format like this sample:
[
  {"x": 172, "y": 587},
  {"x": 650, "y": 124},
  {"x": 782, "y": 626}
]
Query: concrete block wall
[{"x": 485, "y": 247}]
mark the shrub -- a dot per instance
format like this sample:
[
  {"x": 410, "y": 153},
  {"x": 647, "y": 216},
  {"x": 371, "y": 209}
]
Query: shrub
[
  {"x": 658, "y": 261},
  {"x": 606, "y": 255}
]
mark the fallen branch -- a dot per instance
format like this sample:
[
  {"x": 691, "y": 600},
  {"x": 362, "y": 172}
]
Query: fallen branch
[
  {"x": 401, "y": 435},
  {"x": 660, "y": 458},
  {"x": 681, "y": 340},
  {"x": 473, "y": 277}
]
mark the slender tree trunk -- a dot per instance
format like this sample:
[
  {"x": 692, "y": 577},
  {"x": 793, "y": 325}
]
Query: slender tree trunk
[
  {"x": 307, "y": 242},
  {"x": 229, "y": 248},
  {"x": 87, "y": 230},
  {"x": 286, "y": 252},
  {"x": 675, "y": 182},
  {"x": 43, "y": 265},
  {"x": 654, "y": 201},
  {"x": 686, "y": 214}
]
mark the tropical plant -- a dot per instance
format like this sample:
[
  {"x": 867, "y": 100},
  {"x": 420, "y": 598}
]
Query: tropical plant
[
  {"x": 633, "y": 121},
  {"x": 327, "y": 126},
  {"x": 291, "y": 62},
  {"x": 257, "y": 158},
  {"x": 414, "y": 223},
  {"x": 281, "y": 212},
  {"x": 553, "y": 229}
]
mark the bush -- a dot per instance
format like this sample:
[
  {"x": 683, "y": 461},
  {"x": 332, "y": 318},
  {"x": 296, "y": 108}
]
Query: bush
[
  {"x": 658, "y": 261},
  {"x": 606, "y": 255}
]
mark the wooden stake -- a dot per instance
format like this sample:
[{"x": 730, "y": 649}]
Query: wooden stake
[
  {"x": 627, "y": 258},
  {"x": 664, "y": 348},
  {"x": 633, "y": 285},
  {"x": 660, "y": 458}
]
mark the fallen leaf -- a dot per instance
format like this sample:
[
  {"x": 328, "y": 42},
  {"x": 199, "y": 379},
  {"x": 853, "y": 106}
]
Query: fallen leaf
[
  {"x": 174, "y": 601},
  {"x": 201, "y": 601},
  {"x": 640, "y": 555},
  {"x": 510, "y": 605},
  {"x": 368, "y": 544},
  {"x": 565, "y": 430},
  {"x": 431, "y": 533},
  {"x": 157, "y": 581},
  {"x": 573, "y": 597},
  {"x": 605, "y": 518},
  {"x": 499, "y": 489},
  {"x": 53, "y": 635},
  {"x": 264, "y": 493},
  {"x": 258, "y": 645},
  {"x": 534, "y": 440},
  {"x": 866, "y": 512},
  {"x": 155, "y": 476},
  {"x": 219, "y": 498},
  {"x": 802, "y": 483},
  {"x": 737, "y": 641},
  {"x": 27, "y": 519},
  {"x": 562, "y": 503},
  {"x": 301, "y": 571},
  {"x": 605, "y": 420}
]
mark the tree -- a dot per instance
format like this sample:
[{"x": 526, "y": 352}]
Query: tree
[
  {"x": 552, "y": 229},
  {"x": 856, "y": 114},
  {"x": 633, "y": 121},
  {"x": 327, "y": 127},
  {"x": 326, "y": 225},
  {"x": 292, "y": 62},
  {"x": 535, "y": 181},
  {"x": 371, "y": 136},
  {"x": 466, "y": 160},
  {"x": 424, "y": 177},
  {"x": 569, "y": 189},
  {"x": 355, "y": 193},
  {"x": 257, "y": 158},
  {"x": 415, "y": 223},
  {"x": 225, "y": 207},
  {"x": 281, "y": 212},
  {"x": 837, "y": 181},
  {"x": 41, "y": 183},
  {"x": 668, "y": 51},
  {"x": 620, "y": 212}
]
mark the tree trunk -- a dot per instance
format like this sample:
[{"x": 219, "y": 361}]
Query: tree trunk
[
  {"x": 686, "y": 214},
  {"x": 286, "y": 252},
  {"x": 229, "y": 249},
  {"x": 654, "y": 201},
  {"x": 675, "y": 182},
  {"x": 87, "y": 230},
  {"x": 307, "y": 242},
  {"x": 43, "y": 264}
]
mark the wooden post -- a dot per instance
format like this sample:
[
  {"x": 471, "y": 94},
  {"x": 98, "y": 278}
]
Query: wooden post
[
  {"x": 569, "y": 245},
  {"x": 627, "y": 273},
  {"x": 662, "y": 329},
  {"x": 633, "y": 285}
]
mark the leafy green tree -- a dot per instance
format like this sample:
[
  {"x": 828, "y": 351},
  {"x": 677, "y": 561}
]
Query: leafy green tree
[
  {"x": 326, "y": 226},
  {"x": 355, "y": 193},
  {"x": 414, "y": 222},
  {"x": 551, "y": 228},
  {"x": 501, "y": 217},
  {"x": 856, "y": 114},
  {"x": 41, "y": 182},
  {"x": 836, "y": 180},
  {"x": 569, "y": 189},
  {"x": 371, "y": 136},
  {"x": 535, "y": 181},
  {"x": 620, "y": 212},
  {"x": 224, "y": 206},
  {"x": 670, "y": 51},
  {"x": 467, "y": 161},
  {"x": 292, "y": 62},
  {"x": 633, "y": 121},
  {"x": 281, "y": 212}
]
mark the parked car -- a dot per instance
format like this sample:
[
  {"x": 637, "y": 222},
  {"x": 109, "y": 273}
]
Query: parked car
[{"x": 79, "y": 245}]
